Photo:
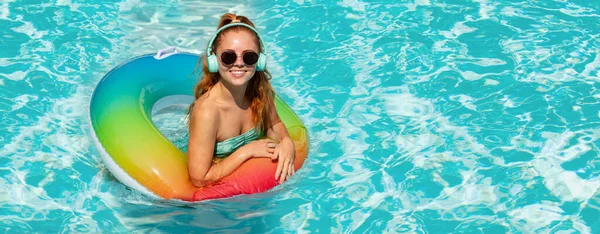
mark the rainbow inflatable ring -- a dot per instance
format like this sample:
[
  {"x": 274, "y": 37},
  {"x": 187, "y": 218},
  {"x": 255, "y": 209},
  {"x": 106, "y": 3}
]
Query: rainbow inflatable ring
[{"x": 139, "y": 156}]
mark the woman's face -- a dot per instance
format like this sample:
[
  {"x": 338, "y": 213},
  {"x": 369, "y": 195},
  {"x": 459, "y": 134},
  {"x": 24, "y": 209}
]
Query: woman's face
[{"x": 240, "y": 41}]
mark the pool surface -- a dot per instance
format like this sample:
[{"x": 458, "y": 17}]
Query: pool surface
[{"x": 424, "y": 116}]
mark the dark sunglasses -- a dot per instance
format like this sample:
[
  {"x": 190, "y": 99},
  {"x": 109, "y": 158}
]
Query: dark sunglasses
[{"x": 228, "y": 57}]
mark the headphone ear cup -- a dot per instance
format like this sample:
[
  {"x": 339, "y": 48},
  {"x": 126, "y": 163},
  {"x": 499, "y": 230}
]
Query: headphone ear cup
[
  {"x": 213, "y": 64},
  {"x": 262, "y": 62}
]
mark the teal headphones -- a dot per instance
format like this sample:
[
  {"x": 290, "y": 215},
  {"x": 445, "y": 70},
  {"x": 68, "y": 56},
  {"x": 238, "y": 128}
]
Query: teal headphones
[{"x": 212, "y": 60}]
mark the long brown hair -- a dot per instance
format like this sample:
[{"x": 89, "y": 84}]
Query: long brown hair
[{"x": 258, "y": 91}]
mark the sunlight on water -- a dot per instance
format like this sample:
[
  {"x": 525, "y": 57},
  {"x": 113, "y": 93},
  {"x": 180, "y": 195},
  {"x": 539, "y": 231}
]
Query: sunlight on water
[{"x": 424, "y": 116}]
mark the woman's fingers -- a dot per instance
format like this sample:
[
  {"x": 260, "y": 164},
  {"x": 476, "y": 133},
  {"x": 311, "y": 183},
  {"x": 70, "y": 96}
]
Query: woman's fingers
[
  {"x": 288, "y": 172},
  {"x": 285, "y": 170},
  {"x": 283, "y": 174},
  {"x": 279, "y": 170},
  {"x": 264, "y": 152},
  {"x": 268, "y": 149}
]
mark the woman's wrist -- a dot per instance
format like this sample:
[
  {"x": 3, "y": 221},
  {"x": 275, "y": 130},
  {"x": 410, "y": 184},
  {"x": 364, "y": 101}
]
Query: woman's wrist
[
  {"x": 246, "y": 152},
  {"x": 287, "y": 139}
]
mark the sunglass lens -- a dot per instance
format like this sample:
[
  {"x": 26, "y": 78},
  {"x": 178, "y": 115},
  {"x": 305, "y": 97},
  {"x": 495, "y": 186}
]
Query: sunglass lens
[
  {"x": 228, "y": 57},
  {"x": 250, "y": 58}
]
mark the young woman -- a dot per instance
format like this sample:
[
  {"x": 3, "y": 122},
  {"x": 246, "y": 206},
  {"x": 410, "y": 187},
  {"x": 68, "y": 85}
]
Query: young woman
[{"x": 235, "y": 106}]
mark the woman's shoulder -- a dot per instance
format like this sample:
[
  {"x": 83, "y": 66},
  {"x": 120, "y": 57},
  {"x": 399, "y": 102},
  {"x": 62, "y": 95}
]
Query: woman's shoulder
[{"x": 204, "y": 109}]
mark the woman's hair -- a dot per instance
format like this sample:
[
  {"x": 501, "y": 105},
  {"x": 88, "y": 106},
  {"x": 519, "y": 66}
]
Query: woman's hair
[{"x": 259, "y": 90}]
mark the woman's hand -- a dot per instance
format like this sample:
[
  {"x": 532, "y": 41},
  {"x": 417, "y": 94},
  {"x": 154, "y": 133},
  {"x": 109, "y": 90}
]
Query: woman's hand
[
  {"x": 285, "y": 153},
  {"x": 264, "y": 148}
]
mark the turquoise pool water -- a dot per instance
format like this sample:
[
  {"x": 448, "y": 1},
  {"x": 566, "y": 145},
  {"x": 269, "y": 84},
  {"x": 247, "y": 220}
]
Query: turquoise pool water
[{"x": 425, "y": 116}]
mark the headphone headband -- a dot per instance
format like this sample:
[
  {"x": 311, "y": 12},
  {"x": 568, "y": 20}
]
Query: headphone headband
[{"x": 209, "y": 49}]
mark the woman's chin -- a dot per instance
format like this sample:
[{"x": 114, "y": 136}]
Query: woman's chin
[{"x": 238, "y": 81}]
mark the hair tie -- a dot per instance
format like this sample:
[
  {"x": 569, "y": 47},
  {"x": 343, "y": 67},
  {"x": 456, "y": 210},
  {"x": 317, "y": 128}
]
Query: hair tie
[{"x": 235, "y": 21}]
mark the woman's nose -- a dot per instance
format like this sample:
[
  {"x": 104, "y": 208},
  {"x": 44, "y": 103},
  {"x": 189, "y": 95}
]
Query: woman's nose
[{"x": 239, "y": 61}]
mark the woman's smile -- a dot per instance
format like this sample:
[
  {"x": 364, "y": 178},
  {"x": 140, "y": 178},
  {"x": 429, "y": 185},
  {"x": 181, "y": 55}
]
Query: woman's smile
[{"x": 237, "y": 73}]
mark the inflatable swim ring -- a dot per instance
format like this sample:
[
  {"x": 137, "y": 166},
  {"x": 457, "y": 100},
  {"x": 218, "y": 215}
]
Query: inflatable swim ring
[{"x": 139, "y": 156}]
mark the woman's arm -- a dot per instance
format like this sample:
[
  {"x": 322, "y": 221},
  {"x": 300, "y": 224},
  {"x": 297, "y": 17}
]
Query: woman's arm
[
  {"x": 203, "y": 132},
  {"x": 285, "y": 151},
  {"x": 277, "y": 130}
]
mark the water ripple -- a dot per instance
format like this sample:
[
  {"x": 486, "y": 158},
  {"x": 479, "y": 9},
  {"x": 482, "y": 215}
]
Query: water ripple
[{"x": 423, "y": 116}]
